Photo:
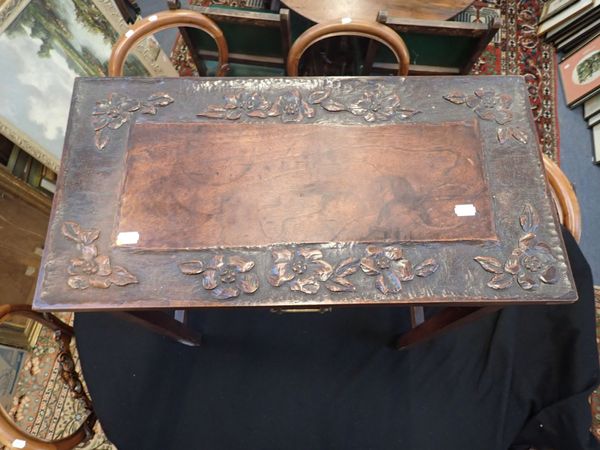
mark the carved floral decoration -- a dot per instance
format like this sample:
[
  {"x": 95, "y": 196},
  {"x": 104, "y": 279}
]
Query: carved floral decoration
[
  {"x": 530, "y": 263},
  {"x": 305, "y": 270},
  {"x": 371, "y": 101},
  {"x": 91, "y": 269},
  {"x": 117, "y": 109},
  {"x": 491, "y": 106},
  {"x": 391, "y": 268},
  {"x": 225, "y": 277}
]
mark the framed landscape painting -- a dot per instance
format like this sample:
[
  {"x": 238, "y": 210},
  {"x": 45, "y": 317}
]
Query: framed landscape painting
[
  {"x": 580, "y": 73},
  {"x": 44, "y": 46}
]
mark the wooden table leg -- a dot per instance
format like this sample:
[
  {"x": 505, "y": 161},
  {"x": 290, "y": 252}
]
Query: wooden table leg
[
  {"x": 447, "y": 319},
  {"x": 165, "y": 324}
]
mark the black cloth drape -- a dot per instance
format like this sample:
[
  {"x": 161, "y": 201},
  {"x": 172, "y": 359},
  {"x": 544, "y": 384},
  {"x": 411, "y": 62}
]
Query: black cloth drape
[{"x": 517, "y": 379}]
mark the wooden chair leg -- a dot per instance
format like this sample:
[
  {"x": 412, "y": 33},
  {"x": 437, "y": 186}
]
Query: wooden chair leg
[
  {"x": 189, "y": 42},
  {"x": 165, "y": 324},
  {"x": 417, "y": 316},
  {"x": 446, "y": 320}
]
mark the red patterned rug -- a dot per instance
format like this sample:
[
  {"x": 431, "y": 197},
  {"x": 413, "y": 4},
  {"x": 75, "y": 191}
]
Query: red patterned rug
[{"x": 516, "y": 50}]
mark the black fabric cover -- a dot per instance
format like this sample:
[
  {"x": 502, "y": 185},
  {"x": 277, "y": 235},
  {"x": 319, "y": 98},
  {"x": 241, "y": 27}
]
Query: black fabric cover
[{"x": 515, "y": 379}]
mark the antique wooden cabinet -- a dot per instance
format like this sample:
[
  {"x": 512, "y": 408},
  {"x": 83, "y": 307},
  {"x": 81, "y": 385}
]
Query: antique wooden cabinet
[{"x": 292, "y": 192}]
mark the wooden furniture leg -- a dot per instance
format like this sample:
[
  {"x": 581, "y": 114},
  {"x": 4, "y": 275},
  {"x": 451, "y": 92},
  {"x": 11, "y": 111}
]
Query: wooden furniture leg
[
  {"x": 165, "y": 324},
  {"x": 189, "y": 42},
  {"x": 445, "y": 320}
]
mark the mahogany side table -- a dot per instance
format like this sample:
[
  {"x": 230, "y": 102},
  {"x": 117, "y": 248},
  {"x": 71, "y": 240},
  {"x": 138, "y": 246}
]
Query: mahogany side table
[{"x": 303, "y": 193}]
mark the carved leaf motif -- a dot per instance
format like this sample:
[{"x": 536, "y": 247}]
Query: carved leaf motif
[
  {"x": 306, "y": 285},
  {"x": 529, "y": 219},
  {"x": 78, "y": 282},
  {"x": 408, "y": 113},
  {"x": 369, "y": 266},
  {"x": 233, "y": 114},
  {"x": 501, "y": 281},
  {"x": 209, "y": 279},
  {"x": 101, "y": 139},
  {"x": 527, "y": 241},
  {"x": 317, "y": 97},
  {"x": 160, "y": 99},
  {"x": 346, "y": 267},
  {"x": 458, "y": 98},
  {"x": 490, "y": 264},
  {"x": 387, "y": 282},
  {"x": 87, "y": 237},
  {"x": 121, "y": 277},
  {"x": 340, "y": 284},
  {"x": 550, "y": 275},
  {"x": 72, "y": 231},
  {"x": 242, "y": 264},
  {"x": 191, "y": 267},
  {"x": 148, "y": 109},
  {"x": 519, "y": 135},
  {"x": 308, "y": 110},
  {"x": 333, "y": 106},
  {"x": 99, "y": 122},
  {"x": 503, "y": 134},
  {"x": 215, "y": 114},
  {"x": 426, "y": 268}
]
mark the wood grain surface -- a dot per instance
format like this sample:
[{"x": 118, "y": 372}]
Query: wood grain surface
[{"x": 252, "y": 185}]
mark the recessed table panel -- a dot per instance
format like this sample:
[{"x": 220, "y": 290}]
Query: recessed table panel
[{"x": 201, "y": 185}]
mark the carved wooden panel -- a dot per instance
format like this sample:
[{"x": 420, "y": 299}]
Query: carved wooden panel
[{"x": 302, "y": 192}]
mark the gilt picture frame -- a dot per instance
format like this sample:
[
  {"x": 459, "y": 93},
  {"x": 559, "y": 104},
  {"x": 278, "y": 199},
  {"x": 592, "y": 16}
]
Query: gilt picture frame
[{"x": 45, "y": 45}]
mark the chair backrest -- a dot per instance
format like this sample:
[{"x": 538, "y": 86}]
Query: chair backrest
[
  {"x": 564, "y": 198},
  {"x": 438, "y": 47},
  {"x": 349, "y": 27},
  {"x": 162, "y": 21},
  {"x": 255, "y": 37},
  {"x": 10, "y": 434}
]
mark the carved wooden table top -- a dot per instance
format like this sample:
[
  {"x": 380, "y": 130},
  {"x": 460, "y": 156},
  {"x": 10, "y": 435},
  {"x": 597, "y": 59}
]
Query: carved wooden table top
[
  {"x": 319, "y": 11},
  {"x": 182, "y": 193}
]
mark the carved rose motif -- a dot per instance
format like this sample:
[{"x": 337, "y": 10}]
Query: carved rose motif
[
  {"x": 304, "y": 267},
  {"x": 530, "y": 263},
  {"x": 117, "y": 110},
  {"x": 491, "y": 106},
  {"x": 225, "y": 277},
  {"x": 91, "y": 269},
  {"x": 391, "y": 268},
  {"x": 293, "y": 107}
]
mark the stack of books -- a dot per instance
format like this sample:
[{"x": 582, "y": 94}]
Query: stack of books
[{"x": 569, "y": 24}]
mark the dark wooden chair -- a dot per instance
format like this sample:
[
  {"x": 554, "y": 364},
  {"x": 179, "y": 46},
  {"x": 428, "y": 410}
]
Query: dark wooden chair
[
  {"x": 10, "y": 434},
  {"x": 437, "y": 47},
  {"x": 348, "y": 27},
  {"x": 259, "y": 40},
  {"x": 161, "y": 21}
]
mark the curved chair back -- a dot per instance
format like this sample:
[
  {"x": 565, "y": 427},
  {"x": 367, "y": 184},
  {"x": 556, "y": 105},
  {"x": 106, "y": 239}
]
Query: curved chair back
[
  {"x": 349, "y": 27},
  {"x": 10, "y": 434},
  {"x": 564, "y": 198},
  {"x": 162, "y": 21}
]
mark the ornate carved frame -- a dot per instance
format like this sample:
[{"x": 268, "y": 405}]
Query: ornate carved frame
[{"x": 527, "y": 264}]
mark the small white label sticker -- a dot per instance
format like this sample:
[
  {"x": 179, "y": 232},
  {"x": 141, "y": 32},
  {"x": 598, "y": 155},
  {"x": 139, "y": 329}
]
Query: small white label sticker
[
  {"x": 346, "y": 20},
  {"x": 465, "y": 210},
  {"x": 128, "y": 238},
  {"x": 19, "y": 443}
]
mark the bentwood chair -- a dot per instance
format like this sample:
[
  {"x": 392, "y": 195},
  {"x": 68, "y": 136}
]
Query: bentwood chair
[
  {"x": 14, "y": 437},
  {"x": 349, "y": 27},
  {"x": 162, "y": 21}
]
